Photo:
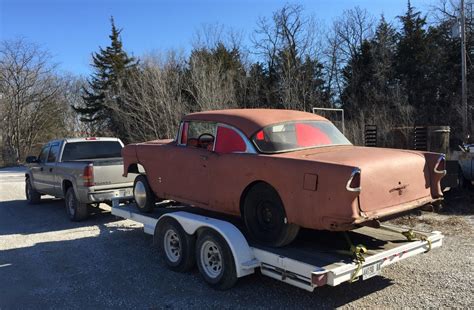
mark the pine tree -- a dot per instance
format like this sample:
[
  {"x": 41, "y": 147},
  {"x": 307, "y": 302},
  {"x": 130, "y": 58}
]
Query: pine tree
[
  {"x": 102, "y": 96},
  {"x": 412, "y": 62}
]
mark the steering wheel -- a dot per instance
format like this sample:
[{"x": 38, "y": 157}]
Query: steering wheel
[{"x": 200, "y": 140}]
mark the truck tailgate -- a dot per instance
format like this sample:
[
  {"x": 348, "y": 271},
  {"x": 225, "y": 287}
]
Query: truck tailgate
[{"x": 108, "y": 174}]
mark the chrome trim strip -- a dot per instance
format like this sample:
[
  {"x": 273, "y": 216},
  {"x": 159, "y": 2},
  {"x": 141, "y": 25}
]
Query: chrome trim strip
[
  {"x": 249, "y": 148},
  {"x": 443, "y": 172},
  {"x": 355, "y": 171}
]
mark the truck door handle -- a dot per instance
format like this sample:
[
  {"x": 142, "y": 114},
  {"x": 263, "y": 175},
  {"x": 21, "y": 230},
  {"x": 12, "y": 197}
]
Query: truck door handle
[
  {"x": 203, "y": 157},
  {"x": 50, "y": 169}
]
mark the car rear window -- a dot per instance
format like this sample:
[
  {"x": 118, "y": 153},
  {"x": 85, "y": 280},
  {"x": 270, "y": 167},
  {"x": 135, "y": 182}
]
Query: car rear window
[
  {"x": 92, "y": 150},
  {"x": 297, "y": 135}
]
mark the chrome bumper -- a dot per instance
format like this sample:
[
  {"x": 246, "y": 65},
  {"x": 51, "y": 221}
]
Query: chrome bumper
[{"x": 108, "y": 195}]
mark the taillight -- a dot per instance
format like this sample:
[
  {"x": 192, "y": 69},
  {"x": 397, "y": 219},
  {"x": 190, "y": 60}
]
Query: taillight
[
  {"x": 440, "y": 166},
  {"x": 88, "y": 176},
  {"x": 353, "y": 184},
  {"x": 319, "y": 279}
]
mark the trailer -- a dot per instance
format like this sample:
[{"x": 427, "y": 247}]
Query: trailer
[{"x": 187, "y": 236}]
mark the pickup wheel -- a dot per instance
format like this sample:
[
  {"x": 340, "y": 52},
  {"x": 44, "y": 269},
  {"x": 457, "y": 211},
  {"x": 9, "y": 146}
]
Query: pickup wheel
[
  {"x": 143, "y": 195},
  {"x": 175, "y": 245},
  {"x": 76, "y": 210},
  {"x": 265, "y": 217},
  {"x": 32, "y": 196},
  {"x": 215, "y": 260}
]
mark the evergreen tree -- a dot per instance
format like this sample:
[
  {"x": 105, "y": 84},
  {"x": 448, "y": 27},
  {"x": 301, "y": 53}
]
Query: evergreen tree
[
  {"x": 413, "y": 62},
  {"x": 102, "y": 97}
]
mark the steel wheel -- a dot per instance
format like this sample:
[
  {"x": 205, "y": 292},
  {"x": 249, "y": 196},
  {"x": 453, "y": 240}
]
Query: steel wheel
[
  {"x": 265, "y": 217},
  {"x": 212, "y": 259},
  {"x": 215, "y": 260},
  {"x": 172, "y": 245},
  {"x": 176, "y": 247}
]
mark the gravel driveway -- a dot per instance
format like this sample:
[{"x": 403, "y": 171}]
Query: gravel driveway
[{"x": 46, "y": 261}]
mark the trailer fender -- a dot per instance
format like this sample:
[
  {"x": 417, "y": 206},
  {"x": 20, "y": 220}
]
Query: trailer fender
[{"x": 245, "y": 261}]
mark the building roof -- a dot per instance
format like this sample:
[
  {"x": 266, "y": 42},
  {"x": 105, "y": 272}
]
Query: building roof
[{"x": 249, "y": 121}]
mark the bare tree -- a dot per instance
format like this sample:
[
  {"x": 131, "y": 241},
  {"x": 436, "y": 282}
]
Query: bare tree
[
  {"x": 289, "y": 45},
  {"x": 29, "y": 103},
  {"x": 348, "y": 33},
  {"x": 153, "y": 98}
]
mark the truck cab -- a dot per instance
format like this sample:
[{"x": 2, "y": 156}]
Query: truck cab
[{"x": 84, "y": 171}]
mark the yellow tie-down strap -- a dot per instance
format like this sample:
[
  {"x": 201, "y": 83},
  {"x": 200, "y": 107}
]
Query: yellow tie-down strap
[{"x": 413, "y": 236}]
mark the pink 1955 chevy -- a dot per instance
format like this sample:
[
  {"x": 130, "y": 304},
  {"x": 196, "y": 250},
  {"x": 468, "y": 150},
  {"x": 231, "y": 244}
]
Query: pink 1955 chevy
[{"x": 281, "y": 170}]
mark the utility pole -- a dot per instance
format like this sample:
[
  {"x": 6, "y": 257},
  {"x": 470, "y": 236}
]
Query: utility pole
[{"x": 465, "y": 108}]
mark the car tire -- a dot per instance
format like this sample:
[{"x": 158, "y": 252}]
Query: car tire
[
  {"x": 215, "y": 260},
  {"x": 76, "y": 210},
  {"x": 143, "y": 195},
  {"x": 32, "y": 196},
  {"x": 176, "y": 247},
  {"x": 265, "y": 218}
]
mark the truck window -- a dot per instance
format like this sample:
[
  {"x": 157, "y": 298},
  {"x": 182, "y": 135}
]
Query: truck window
[
  {"x": 91, "y": 150},
  {"x": 53, "y": 153},
  {"x": 44, "y": 154}
]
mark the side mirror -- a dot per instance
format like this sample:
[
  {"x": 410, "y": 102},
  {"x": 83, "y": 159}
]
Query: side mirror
[{"x": 31, "y": 159}]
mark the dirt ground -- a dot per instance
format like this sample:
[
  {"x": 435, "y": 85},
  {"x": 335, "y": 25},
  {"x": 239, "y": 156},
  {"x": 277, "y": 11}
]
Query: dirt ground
[{"x": 46, "y": 261}]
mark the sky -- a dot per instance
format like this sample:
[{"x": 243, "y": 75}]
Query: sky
[{"x": 72, "y": 29}]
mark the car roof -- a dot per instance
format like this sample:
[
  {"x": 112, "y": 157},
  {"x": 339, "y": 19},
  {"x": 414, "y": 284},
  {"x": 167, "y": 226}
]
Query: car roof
[{"x": 249, "y": 121}]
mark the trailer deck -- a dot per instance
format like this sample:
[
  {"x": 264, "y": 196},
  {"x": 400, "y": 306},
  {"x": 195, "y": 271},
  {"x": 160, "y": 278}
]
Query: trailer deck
[{"x": 314, "y": 259}]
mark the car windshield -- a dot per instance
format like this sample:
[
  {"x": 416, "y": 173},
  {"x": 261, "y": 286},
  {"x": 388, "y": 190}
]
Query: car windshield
[
  {"x": 91, "y": 150},
  {"x": 297, "y": 135}
]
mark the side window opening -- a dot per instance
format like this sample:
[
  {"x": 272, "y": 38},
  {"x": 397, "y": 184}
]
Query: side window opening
[
  {"x": 200, "y": 135},
  {"x": 44, "y": 154},
  {"x": 229, "y": 141},
  {"x": 53, "y": 153}
]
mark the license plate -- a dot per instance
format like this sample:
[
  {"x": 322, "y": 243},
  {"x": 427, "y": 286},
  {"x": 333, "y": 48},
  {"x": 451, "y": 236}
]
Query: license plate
[{"x": 370, "y": 271}]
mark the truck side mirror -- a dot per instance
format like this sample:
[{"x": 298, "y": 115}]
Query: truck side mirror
[{"x": 31, "y": 159}]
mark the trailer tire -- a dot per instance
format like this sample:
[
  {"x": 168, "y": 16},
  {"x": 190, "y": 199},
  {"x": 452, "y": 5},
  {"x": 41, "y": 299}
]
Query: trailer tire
[
  {"x": 143, "y": 195},
  {"x": 176, "y": 247},
  {"x": 76, "y": 210},
  {"x": 265, "y": 218},
  {"x": 215, "y": 260},
  {"x": 32, "y": 196}
]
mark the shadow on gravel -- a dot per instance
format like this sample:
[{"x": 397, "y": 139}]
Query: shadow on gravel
[
  {"x": 68, "y": 273},
  {"x": 18, "y": 217},
  {"x": 459, "y": 202}
]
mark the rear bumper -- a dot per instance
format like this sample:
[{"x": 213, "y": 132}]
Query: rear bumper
[
  {"x": 108, "y": 195},
  {"x": 344, "y": 224},
  {"x": 390, "y": 211}
]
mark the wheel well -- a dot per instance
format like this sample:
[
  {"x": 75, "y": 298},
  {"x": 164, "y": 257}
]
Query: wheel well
[
  {"x": 245, "y": 192},
  {"x": 66, "y": 185},
  {"x": 136, "y": 168}
]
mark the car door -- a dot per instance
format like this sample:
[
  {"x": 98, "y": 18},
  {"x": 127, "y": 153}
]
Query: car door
[
  {"x": 50, "y": 176},
  {"x": 190, "y": 178},
  {"x": 38, "y": 172},
  {"x": 229, "y": 174}
]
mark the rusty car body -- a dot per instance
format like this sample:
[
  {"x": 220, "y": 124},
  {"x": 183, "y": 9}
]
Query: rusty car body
[{"x": 281, "y": 170}]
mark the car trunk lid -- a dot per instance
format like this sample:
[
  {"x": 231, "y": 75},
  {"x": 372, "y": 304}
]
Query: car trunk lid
[{"x": 388, "y": 177}]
